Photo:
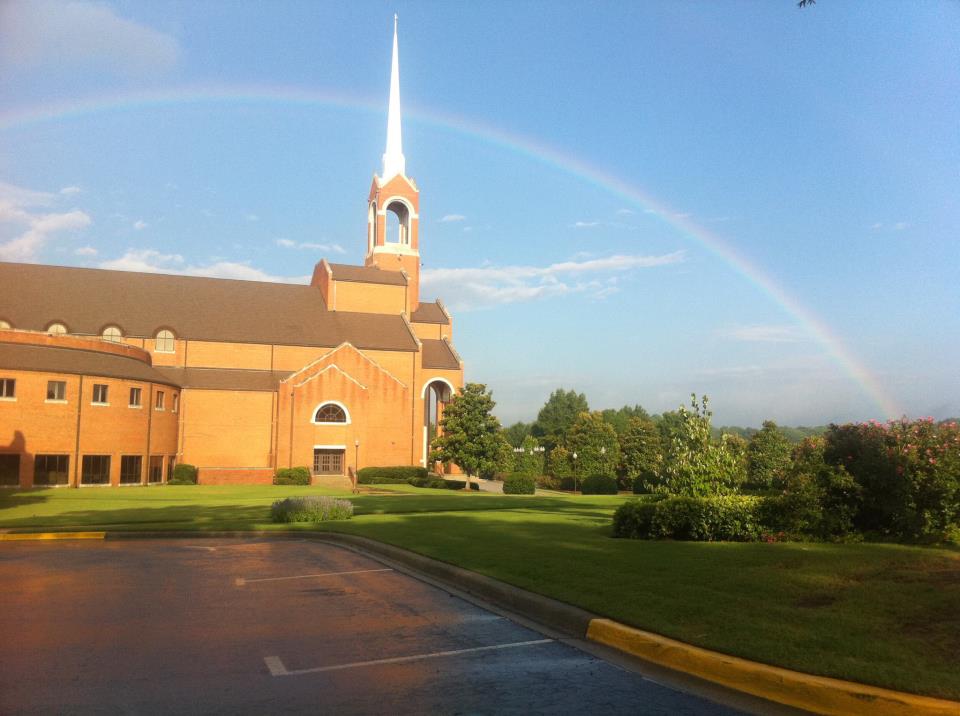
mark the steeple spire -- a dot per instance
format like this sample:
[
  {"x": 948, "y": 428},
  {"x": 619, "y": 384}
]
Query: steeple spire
[{"x": 393, "y": 160}]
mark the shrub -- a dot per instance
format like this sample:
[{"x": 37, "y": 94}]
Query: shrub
[
  {"x": 600, "y": 485},
  {"x": 183, "y": 474},
  {"x": 519, "y": 484},
  {"x": 389, "y": 475},
  {"x": 548, "y": 482},
  {"x": 292, "y": 476},
  {"x": 645, "y": 483},
  {"x": 311, "y": 508},
  {"x": 438, "y": 483},
  {"x": 733, "y": 518}
]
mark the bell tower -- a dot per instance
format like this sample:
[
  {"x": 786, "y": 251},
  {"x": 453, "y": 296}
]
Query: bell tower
[{"x": 393, "y": 207}]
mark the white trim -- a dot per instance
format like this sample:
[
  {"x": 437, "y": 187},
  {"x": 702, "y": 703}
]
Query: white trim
[
  {"x": 423, "y": 392},
  {"x": 396, "y": 248},
  {"x": 12, "y": 399},
  {"x": 346, "y": 412},
  {"x": 102, "y": 405},
  {"x": 169, "y": 353},
  {"x": 135, "y": 407},
  {"x": 330, "y": 353},
  {"x": 335, "y": 367},
  {"x": 56, "y": 402},
  {"x": 330, "y": 447}
]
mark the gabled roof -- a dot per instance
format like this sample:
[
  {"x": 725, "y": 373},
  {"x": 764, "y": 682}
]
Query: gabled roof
[
  {"x": 438, "y": 354},
  {"x": 367, "y": 274},
  {"x": 430, "y": 313},
  {"x": 87, "y": 300}
]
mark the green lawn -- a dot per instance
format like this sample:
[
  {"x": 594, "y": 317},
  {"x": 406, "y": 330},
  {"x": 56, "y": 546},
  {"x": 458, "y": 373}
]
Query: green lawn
[{"x": 881, "y": 614}]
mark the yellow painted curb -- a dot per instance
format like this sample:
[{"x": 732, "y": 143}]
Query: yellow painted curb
[
  {"x": 819, "y": 694},
  {"x": 24, "y": 536}
]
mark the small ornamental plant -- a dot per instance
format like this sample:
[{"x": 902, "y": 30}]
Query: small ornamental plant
[{"x": 312, "y": 508}]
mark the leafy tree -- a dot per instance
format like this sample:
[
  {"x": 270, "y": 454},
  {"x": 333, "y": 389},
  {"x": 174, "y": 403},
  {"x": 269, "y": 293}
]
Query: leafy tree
[
  {"x": 559, "y": 463},
  {"x": 620, "y": 419},
  {"x": 470, "y": 434},
  {"x": 640, "y": 452},
  {"x": 558, "y": 415},
  {"x": 595, "y": 442},
  {"x": 768, "y": 457},
  {"x": 530, "y": 461},
  {"x": 669, "y": 424},
  {"x": 516, "y": 433},
  {"x": 694, "y": 465}
]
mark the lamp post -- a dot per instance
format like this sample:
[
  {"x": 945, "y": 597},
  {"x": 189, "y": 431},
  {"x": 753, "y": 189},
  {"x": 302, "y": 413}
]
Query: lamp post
[
  {"x": 356, "y": 465},
  {"x": 574, "y": 472}
]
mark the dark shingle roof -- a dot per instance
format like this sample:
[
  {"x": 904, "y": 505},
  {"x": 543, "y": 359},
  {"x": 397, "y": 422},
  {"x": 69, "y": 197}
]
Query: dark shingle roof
[
  {"x": 86, "y": 300},
  {"x": 224, "y": 379},
  {"x": 23, "y": 356},
  {"x": 367, "y": 274},
  {"x": 430, "y": 313},
  {"x": 438, "y": 354}
]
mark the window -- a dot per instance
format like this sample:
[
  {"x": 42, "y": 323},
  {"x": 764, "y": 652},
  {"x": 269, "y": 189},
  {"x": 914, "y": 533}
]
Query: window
[
  {"x": 135, "y": 394},
  {"x": 159, "y": 404},
  {"x": 130, "y": 469},
  {"x": 9, "y": 471},
  {"x": 8, "y": 388},
  {"x": 57, "y": 390},
  {"x": 51, "y": 470},
  {"x": 327, "y": 462},
  {"x": 156, "y": 469},
  {"x": 330, "y": 413},
  {"x": 5, "y": 326},
  {"x": 176, "y": 402},
  {"x": 56, "y": 329},
  {"x": 112, "y": 334},
  {"x": 100, "y": 394},
  {"x": 96, "y": 470},
  {"x": 164, "y": 342}
]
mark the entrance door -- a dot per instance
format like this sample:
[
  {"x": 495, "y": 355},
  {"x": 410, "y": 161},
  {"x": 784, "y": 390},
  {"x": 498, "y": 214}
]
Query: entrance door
[
  {"x": 9, "y": 470},
  {"x": 327, "y": 462}
]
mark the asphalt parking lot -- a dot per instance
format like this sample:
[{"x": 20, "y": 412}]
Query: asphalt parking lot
[{"x": 260, "y": 626}]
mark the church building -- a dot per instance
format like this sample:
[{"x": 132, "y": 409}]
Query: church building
[{"x": 112, "y": 377}]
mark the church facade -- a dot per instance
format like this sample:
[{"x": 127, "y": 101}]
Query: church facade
[{"x": 112, "y": 378}]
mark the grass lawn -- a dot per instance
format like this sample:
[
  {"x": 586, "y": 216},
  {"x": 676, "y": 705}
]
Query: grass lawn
[{"x": 881, "y": 614}]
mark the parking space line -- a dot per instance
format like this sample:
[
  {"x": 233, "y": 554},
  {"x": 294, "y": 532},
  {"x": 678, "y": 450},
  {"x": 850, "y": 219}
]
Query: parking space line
[
  {"x": 241, "y": 581},
  {"x": 278, "y": 669}
]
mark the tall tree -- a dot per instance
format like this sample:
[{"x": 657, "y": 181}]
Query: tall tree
[
  {"x": 595, "y": 442},
  {"x": 640, "y": 453},
  {"x": 768, "y": 456},
  {"x": 620, "y": 418},
  {"x": 558, "y": 415},
  {"x": 470, "y": 435},
  {"x": 529, "y": 460},
  {"x": 516, "y": 433}
]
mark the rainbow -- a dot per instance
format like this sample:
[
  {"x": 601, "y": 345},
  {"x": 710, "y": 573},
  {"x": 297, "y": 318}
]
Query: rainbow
[{"x": 17, "y": 118}]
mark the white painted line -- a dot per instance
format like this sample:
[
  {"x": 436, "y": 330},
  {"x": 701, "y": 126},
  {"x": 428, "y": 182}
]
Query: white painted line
[
  {"x": 278, "y": 669},
  {"x": 240, "y": 581},
  {"x": 199, "y": 546}
]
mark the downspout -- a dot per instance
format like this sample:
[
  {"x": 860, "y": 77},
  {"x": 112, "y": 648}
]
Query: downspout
[{"x": 76, "y": 451}]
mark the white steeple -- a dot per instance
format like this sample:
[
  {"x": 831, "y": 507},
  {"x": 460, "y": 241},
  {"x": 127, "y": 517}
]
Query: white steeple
[{"x": 393, "y": 160}]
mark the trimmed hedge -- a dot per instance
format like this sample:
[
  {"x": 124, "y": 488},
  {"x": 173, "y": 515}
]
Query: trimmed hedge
[
  {"x": 438, "y": 483},
  {"x": 518, "y": 483},
  {"x": 734, "y": 518},
  {"x": 599, "y": 485},
  {"x": 292, "y": 476},
  {"x": 390, "y": 475},
  {"x": 311, "y": 508},
  {"x": 183, "y": 474}
]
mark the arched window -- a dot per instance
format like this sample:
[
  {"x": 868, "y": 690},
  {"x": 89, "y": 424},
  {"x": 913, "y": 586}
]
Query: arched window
[
  {"x": 56, "y": 329},
  {"x": 372, "y": 227},
  {"x": 4, "y": 325},
  {"x": 331, "y": 413},
  {"x": 164, "y": 341},
  {"x": 112, "y": 334},
  {"x": 397, "y": 226}
]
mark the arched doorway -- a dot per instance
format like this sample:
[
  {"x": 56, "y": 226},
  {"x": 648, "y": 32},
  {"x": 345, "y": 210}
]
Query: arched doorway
[{"x": 436, "y": 394}]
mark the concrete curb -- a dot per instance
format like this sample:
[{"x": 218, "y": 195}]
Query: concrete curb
[
  {"x": 45, "y": 536},
  {"x": 817, "y": 694}
]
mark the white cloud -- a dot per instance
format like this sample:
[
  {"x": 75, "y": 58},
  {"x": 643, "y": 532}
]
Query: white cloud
[
  {"x": 766, "y": 334},
  {"x": 153, "y": 261},
  {"x": 625, "y": 212},
  {"x": 308, "y": 246},
  {"x": 85, "y": 251},
  {"x": 452, "y": 217},
  {"x": 901, "y": 225},
  {"x": 877, "y": 226},
  {"x": 71, "y": 34},
  {"x": 252, "y": 217},
  {"x": 140, "y": 225},
  {"x": 468, "y": 288},
  {"x": 26, "y": 229},
  {"x": 70, "y": 190},
  {"x": 585, "y": 224}
]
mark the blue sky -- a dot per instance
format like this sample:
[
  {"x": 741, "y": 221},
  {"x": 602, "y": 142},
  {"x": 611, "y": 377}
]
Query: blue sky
[{"x": 634, "y": 200}]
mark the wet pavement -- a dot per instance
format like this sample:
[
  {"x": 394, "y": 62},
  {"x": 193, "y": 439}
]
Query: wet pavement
[{"x": 259, "y": 626}]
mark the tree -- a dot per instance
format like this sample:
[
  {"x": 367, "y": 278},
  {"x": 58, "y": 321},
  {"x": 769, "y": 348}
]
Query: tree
[
  {"x": 470, "y": 434},
  {"x": 559, "y": 463},
  {"x": 640, "y": 453},
  {"x": 768, "y": 457},
  {"x": 530, "y": 460},
  {"x": 595, "y": 442},
  {"x": 516, "y": 433},
  {"x": 620, "y": 418},
  {"x": 558, "y": 415}
]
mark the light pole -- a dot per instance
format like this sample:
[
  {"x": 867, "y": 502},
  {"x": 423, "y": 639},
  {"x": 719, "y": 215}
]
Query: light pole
[
  {"x": 356, "y": 465},
  {"x": 574, "y": 472}
]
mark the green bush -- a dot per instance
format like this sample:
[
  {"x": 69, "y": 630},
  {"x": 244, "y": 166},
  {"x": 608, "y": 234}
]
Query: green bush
[
  {"x": 517, "y": 483},
  {"x": 734, "y": 518},
  {"x": 600, "y": 485},
  {"x": 438, "y": 483},
  {"x": 643, "y": 484},
  {"x": 547, "y": 482},
  {"x": 183, "y": 474},
  {"x": 292, "y": 476},
  {"x": 311, "y": 508},
  {"x": 390, "y": 475}
]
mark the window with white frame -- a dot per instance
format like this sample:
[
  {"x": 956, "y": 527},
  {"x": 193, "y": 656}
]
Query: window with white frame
[
  {"x": 56, "y": 390},
  {"x": 112, "y": 334},
  {"x": 5, "y": 325},
  {"x": 56, "y": 329},
  {"x": 158, "y": 400},
  {"x": 176, "y": 402},
  {"x": 136, "y": 395},
  {"x": 330, "y": 413},
  {"x": 100, "y": 393},
  {"x": 8, "y": 388},
  {"x": 164, "y": 342}
]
